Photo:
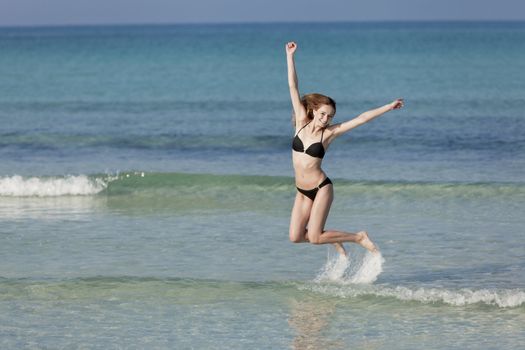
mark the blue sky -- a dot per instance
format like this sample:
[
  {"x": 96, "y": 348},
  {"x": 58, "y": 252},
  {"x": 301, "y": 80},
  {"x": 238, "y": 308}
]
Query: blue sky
[{"x": 70, "y": 12}]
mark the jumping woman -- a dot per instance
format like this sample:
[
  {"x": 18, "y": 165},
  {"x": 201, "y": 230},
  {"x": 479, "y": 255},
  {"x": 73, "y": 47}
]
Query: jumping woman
[{"x": 313, "y": 134}]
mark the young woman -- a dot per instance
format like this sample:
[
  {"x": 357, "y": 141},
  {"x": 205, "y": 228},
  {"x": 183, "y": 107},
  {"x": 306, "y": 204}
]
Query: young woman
[{"x": 313, "y": 134}]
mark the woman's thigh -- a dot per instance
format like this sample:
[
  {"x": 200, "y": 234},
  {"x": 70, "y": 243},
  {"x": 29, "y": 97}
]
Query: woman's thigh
[
  {"x": 319, "y": 212},
  {"x": 299, "y": 218}
]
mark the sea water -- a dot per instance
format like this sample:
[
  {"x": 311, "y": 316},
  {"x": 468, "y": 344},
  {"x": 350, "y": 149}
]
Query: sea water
[{"x": 146, "y": 187}]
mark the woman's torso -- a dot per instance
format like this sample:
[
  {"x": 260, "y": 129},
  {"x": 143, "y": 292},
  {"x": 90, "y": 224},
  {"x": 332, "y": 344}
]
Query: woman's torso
[{"x": 307, "y": 155}]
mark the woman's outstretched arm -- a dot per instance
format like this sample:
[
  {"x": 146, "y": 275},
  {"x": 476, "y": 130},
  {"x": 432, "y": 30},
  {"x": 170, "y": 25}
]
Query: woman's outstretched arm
[
  {"x": 298, "y": 108},
  {"x": 363, "y": 118}
]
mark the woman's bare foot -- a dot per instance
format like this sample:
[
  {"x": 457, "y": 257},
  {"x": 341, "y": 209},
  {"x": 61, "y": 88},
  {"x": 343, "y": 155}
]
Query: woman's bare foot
[
  {"x": 365, "y": 242},
  {"x": 339, "y": 247}
]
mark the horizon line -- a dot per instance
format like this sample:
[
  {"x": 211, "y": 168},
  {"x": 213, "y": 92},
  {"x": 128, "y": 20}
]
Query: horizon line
[{"x": 218, "y": 23}]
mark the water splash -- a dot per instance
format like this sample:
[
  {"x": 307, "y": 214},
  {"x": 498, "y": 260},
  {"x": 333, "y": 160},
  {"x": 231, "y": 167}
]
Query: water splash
[
  {"x": 366, "y": 270},
  {"x": 355, "y": 269}
]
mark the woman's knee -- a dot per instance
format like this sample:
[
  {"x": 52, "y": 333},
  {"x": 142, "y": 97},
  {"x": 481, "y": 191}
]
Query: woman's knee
[
  {"x": 314, "y": 237},
  {"x": 296, "y": 236},
  {"x": 295, "y": 239}
]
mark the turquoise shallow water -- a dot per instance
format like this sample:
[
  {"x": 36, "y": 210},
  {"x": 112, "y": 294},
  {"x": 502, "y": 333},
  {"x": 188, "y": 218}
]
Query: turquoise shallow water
[
  {"x": 145, "y": 187},
  {"x": 159, "y": 259}
]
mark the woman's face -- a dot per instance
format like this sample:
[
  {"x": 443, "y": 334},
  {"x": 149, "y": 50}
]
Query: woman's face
[{"x": 323, "y": 115}]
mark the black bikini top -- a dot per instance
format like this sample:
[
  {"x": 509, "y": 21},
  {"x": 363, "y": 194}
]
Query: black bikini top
[{"x": 314, "y": 150}]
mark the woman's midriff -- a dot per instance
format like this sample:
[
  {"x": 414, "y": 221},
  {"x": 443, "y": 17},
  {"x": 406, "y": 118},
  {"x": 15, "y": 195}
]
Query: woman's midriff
[{"x": 308, "y": 172}]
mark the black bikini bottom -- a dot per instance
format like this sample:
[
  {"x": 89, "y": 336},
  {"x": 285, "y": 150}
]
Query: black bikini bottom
[{"x": 312, "y": 193}]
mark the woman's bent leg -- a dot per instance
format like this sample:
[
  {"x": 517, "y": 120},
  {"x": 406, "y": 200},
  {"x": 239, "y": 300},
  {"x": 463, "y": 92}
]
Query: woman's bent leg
[{"x": 318, "y": 216}]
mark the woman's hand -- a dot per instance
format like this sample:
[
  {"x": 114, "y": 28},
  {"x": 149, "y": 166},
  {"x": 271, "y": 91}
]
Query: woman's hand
[
  {"x": 290, "y": 48},
  {"x": 397, "y": 104}
]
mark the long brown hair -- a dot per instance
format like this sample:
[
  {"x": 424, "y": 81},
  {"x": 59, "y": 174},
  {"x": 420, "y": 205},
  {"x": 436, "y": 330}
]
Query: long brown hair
[{"x": 312, "y": 102}]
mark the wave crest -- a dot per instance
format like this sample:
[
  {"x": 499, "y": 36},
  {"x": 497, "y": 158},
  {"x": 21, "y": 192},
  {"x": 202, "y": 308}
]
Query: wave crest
[
  {"x": 504, "y": 298},
  {"x": 501, "y": 298},
  {"x": 81, "y": 185}
]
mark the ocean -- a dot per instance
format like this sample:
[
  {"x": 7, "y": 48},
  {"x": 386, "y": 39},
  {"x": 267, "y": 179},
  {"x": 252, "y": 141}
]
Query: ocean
[{"x": 146, "y": 187}]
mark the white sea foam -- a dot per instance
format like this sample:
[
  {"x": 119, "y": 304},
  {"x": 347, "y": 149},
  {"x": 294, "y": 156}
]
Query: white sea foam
[
  {"x": 504, "y": 298},
  {"x": 501, "y": 298},
  {"x": 18, "y": 186}
]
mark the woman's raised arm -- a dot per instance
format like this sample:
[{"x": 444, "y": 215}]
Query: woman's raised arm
[
  {"x": 364, "y": 118},
  {"x": 298, "y": 108}
]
